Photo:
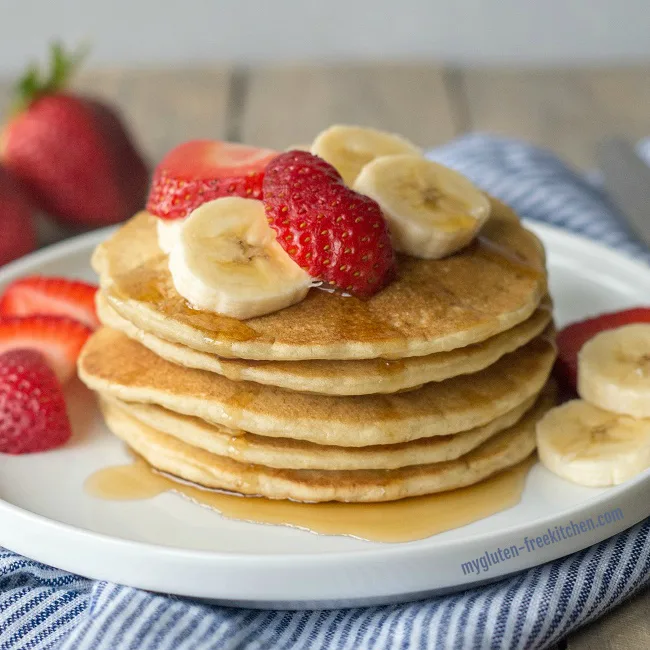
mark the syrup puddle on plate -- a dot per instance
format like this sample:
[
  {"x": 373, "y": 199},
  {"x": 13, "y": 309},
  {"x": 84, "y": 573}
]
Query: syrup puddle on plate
[{"x": 395, "y": 521}]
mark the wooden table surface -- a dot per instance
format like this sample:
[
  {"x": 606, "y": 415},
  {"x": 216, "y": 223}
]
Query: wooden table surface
[{"x": 568, "y": 111}]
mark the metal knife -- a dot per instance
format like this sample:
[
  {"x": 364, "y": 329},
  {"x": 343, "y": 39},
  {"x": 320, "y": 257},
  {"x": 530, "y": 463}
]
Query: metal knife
[{"x": 627, "y": 182}]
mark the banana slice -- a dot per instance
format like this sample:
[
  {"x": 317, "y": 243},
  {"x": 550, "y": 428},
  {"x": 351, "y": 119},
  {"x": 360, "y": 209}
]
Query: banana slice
[
  {"x": 589, "y": 446},
  {"x": 168, "y": 233},
  {"x": 350, "y": 148},
  {"x": 226, "y": 260},
  {"x": 614, "y": 370},
  {"x": 432, "y": 211}
]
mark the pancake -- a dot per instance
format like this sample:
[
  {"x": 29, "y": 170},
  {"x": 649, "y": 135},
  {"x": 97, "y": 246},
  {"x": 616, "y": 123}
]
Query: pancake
[
  {"x": 433, "y": 306},
  {"x": 353, "y": 377},
  {"x": 299, "y": 454},
  {"x": 115, "y": 365},
  {"x": 168, "y": 454}
]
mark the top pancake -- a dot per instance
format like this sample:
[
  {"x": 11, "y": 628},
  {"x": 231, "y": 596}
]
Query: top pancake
[{"x": 433, "y": 306}]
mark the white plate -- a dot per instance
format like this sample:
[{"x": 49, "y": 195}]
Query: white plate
[{"x": 167, "y": 544}]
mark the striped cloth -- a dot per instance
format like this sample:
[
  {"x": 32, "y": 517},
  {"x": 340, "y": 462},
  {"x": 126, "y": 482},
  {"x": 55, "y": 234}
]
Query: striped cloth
[{"x": 42, "y": 607}]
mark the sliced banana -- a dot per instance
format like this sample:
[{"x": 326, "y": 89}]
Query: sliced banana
[
  {"x": 593, "y": 447},
  {"x": 350, "y": 148},
  {"x": 614, "y": 370},
  {"x": 226, "y": 260},
  {"x": 168, "y": 233},
  {"x": 432, "y": 211}
]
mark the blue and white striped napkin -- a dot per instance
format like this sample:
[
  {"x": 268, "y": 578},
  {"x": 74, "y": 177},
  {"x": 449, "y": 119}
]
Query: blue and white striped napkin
[{"x": 42, "y": 607}]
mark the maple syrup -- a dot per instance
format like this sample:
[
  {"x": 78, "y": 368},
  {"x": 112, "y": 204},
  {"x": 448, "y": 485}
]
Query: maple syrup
[
  {"x": 394, "y": 521},
  {"x": 506, "y": 257},
  {"x": 243, "y": 394},
  {"x": 154, "y": 286},
  {"x": 388, "y": 367}
]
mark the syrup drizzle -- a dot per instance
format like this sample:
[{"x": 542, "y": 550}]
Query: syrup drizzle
[
  {"x": 395, "y": 521},
  {"x": 153, "y": 286},
  {"x": 506, "y": 257}
]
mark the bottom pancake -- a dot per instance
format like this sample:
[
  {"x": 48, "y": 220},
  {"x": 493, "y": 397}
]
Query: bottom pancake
[{"x": 169, "y": 454}]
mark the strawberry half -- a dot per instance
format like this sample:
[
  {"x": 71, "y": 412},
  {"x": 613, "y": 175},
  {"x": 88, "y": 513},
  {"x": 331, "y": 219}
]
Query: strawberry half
[
  {"x": 203, "y": 170},
  {"x": 50, "y": 296},
  {"x": 33, "y": 414},
  {"x": 571, "y": 339},
  {"x": 57, "y": 338},
  {"x": 334, "y": 233}
]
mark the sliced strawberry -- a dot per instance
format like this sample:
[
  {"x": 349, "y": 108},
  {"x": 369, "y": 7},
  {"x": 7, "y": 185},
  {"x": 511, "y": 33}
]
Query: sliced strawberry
[
  {"x": 51, "y": 296},
  {"x": 334, "y": 233},
  {"x": 57, "y": 338},
  {"x": 203, "y": 170},
  {"x": 571, "y": 339},
  {"x": 33, "y": 415}
]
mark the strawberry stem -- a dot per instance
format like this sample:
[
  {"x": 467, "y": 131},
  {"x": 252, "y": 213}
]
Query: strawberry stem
[{"x": 31, "y": 86}]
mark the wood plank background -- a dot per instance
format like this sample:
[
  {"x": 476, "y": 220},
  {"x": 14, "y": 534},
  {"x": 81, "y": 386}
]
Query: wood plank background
[{"x": 567, "y": 111}]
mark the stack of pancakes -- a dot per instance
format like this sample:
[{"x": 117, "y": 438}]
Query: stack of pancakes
[{"x": 433, "y": 384}]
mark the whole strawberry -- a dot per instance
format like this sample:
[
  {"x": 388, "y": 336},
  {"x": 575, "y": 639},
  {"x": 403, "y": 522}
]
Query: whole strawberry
[
  {"x": 335, "y": 234},
  {"x": 72, "y": 153},
  {"x": 17, "y": 234},
  {"x": 33, "y": 414}
]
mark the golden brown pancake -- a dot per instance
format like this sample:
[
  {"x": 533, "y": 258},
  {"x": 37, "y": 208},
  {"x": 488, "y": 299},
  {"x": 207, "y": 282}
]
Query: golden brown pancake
[
  {"x": 115, "y": 365},
  {"x": 175, "y": 457},
  {"x": 353, "y": 377},
  {"x": 434, "y": 305},
  {"x": 285, "y": 453}
]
